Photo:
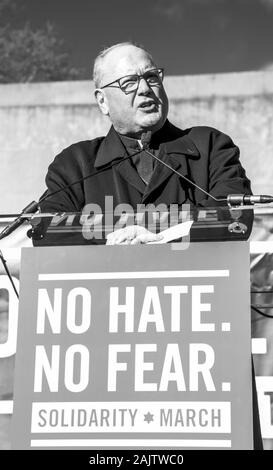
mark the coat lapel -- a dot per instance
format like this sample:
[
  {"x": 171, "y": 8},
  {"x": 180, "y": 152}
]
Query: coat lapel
[
  {"x": 112, "y": 150},
  {"x": 130, "y": 175},
  {"x": 176, "y": 154}
]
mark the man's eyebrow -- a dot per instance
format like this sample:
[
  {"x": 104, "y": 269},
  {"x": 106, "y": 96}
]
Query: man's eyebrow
[
  {"x": 130, "y": 74},
  {"x": 143, "y": 71}
]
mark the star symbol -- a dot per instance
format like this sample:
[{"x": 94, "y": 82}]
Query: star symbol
[{"x": 148, "y": 417}]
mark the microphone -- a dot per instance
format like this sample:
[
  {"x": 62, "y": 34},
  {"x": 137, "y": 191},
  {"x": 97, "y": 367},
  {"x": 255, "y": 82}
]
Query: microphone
[
  {"x": 34, "y": 206},
  {"x": 248, "y": 199},
  {"x": 29, "y": 209}
]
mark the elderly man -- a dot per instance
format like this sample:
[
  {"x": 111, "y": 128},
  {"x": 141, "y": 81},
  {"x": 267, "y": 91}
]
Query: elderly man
[{"x": 129, "y": 90}]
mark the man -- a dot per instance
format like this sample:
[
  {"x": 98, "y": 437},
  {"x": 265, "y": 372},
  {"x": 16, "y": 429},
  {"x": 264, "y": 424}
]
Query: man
[{"x": 129, "y": 90}]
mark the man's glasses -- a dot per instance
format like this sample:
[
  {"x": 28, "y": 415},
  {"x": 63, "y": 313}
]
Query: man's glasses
[{"x": 129, "y": 83}]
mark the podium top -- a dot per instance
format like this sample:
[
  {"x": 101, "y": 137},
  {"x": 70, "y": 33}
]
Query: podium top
[{"x": 81, "y": 228}]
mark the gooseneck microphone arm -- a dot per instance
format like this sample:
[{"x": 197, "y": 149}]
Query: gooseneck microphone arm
[
  {"x": 233, "y": 200},
  {"x": 33, "y": 206},
  {"x": 182, "y": 176},
  {"x": 95, "y": 173},
  {"x": 145, "y": 141},
  {"x": 8, "y": 273}
]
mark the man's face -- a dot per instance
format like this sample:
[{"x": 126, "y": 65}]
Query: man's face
[{"x": 141, "y": 110}]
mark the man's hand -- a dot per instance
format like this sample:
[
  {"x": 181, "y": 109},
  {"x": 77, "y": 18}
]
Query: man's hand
[{"x": 132, "y": 235}]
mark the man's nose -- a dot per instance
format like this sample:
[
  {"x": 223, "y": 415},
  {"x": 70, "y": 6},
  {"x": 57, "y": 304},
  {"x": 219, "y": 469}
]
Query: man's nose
[{"x": 143, "y": 86}]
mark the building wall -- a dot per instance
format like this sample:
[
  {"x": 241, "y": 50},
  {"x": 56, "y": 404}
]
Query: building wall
[{"x": 39, "y": 120}]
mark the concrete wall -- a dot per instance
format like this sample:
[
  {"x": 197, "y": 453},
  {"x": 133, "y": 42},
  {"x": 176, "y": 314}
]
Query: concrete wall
[{"x": 39, "y": 120}]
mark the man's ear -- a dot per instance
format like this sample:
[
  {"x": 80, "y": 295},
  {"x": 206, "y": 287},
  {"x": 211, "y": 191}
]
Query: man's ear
[{"x": 102, "y": 101}]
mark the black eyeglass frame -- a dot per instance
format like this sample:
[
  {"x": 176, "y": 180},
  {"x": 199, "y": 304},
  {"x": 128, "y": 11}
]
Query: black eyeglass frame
[{"x": 160, "y": 71}]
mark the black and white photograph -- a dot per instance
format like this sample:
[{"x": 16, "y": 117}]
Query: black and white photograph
[{"x": 136, "y": 229}]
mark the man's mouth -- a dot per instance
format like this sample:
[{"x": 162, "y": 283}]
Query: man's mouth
[{"x": 147, "y": 105}]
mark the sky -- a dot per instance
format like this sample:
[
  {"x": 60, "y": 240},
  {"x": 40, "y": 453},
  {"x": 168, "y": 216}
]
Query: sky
[{"x": 184, "y": 36}]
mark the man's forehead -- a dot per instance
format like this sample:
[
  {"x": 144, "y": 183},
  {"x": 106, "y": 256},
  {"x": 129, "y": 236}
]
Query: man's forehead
[{"x": 126, "y": 60}]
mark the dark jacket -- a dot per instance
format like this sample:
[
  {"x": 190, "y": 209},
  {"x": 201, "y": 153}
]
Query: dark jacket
[{"x": 204, "y": 155}]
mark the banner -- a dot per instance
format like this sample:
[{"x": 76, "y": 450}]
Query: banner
[{"x": 147, "y": 350}]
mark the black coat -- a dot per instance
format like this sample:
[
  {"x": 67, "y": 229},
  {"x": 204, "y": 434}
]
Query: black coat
[{"x": 205, "y": 155}]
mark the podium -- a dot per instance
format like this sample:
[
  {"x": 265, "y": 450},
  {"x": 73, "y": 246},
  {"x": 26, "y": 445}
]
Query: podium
[{"x": 134, "y": 347}]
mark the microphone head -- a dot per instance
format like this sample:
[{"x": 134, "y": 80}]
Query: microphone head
[{"x": 146, "y": 139}]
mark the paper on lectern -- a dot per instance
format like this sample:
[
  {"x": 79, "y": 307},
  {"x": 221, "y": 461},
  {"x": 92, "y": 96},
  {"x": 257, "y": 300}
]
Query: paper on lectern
[{"x": 177, "y": 231}]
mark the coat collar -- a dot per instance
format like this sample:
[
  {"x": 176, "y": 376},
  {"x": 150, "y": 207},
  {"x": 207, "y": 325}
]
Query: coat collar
[
  {"x": 174, "y": 144},
  {"x": 172, "y": 139},
  {"x": 110, "y": 149}
]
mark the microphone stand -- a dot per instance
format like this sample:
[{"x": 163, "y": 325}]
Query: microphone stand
[{"x": 8, "y": 273}]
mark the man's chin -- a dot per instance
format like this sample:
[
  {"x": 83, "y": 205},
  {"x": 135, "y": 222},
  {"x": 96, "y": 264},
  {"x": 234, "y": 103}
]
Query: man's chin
[{"x": 152, "y": 123}]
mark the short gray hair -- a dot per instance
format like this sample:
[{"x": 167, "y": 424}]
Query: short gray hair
[{"x": 97, "y": 70}]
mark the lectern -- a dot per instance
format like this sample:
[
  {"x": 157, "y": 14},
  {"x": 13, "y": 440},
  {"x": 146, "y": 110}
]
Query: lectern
[{"x": 134, "y": 347}]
